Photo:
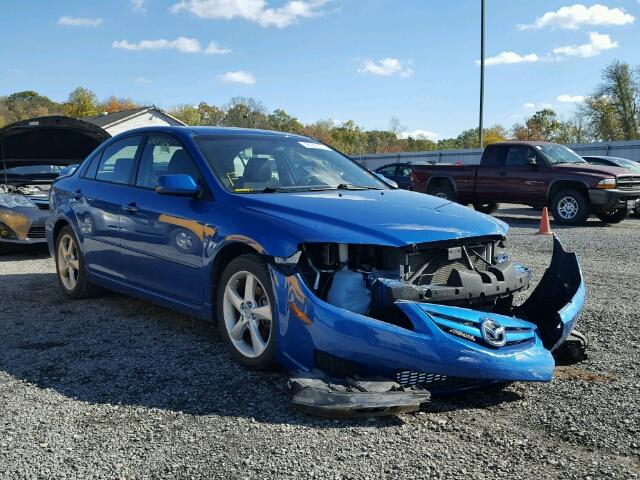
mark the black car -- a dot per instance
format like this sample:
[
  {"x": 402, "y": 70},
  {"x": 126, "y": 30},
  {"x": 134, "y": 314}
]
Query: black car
[{"x": 398, "y": 172}]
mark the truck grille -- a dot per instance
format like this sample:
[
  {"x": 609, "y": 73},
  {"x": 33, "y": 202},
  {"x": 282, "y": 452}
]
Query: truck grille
[
  {"x": 36, "y": 232},
  {"x": 628, "y": 182}
]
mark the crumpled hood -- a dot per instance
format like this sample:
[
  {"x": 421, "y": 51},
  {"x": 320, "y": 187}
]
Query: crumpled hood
[
  {"x": 389, "y": 217},
  {"x": 600, "y": 170}
]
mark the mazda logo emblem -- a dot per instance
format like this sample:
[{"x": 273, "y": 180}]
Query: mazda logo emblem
[{"x": 493, "y": 333}]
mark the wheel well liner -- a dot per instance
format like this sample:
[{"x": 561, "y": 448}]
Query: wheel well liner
[
  {"x": 222, "y": 259},
  {"x": 559, "y": 184},
  {"x": 59, "y": 225},
  {"x": 441, "y": 181}
]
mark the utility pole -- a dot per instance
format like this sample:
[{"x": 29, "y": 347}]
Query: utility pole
[{"x": 480, "y": 129}]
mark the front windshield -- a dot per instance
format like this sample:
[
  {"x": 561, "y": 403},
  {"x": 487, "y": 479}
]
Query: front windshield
[
  {"x": 27, "y": 170},
  {"x": 269, "y": 164},
  {"x": 554, "y": 153},
  {"x": 630, "y": 164}
]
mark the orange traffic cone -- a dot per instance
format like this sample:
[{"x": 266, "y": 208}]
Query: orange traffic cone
[{"x": 545, "y": 227}]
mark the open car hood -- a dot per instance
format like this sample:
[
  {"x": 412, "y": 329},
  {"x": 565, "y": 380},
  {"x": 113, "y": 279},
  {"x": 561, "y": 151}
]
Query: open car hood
[
  {"x": 389, "y": 217},
  {"x": 51, "y": 140}
]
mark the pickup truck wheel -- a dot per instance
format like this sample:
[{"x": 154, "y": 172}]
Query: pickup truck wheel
[
  {"x": 487, "y": 208},
  {"x": 570, "y": 207},
  {"x": 443, "y": 191},
  {"x": 613, "y": 216}
]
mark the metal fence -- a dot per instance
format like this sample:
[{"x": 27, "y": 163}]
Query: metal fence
[{"x": 629, "y": 150}]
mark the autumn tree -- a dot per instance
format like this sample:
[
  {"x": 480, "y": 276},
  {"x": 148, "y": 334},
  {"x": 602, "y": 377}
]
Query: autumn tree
[
  {"x": 210, "y": 114},
  {"x": 27, "y": 104},
  {"x": 117, "y": 104},
  {"x": 81, "y": 103}
]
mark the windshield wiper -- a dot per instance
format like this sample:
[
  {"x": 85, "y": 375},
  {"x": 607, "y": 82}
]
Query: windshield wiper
[{"x": 344, "y": 186}]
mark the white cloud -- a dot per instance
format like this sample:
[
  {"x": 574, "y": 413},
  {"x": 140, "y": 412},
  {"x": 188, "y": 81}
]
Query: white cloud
[
  {"x": 181, "y": 44},
  {"x": 574, "y": 16},
  {"x": 142, "y": 81},
  {"x": 511, "y": 57},
  {"x": 386, "y": 67},
  {"x": 239, "y": 76},
  {"x": 529, "y": 106},
  {"x": 138, "y": 5},
  {"x": 257, "y": 11},
  {"x": 79, "y": 22},
  {"x": 570, "y": 98},
  {"x": 214, "y": 49},
  {"x": 598, "y": 43},
  {"x": 419, "y": 135}
]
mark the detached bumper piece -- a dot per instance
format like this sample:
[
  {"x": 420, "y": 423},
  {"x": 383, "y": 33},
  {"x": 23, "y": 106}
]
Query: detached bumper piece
[{"x": 352, "y": 398}]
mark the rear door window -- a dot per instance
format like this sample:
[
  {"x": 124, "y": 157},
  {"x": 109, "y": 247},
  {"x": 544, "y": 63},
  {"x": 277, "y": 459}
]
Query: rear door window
[
  {"x": 494, "y": 156},
  {"x": 117, "y": 162}
]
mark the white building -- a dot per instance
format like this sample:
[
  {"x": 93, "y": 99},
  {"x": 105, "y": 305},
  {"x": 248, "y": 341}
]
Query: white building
[{"x": 118, "y": 122}]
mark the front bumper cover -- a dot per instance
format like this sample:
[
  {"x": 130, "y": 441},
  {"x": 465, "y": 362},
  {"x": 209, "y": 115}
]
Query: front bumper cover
[
  {"x": 445, "y": 342},
  {"x": 603, "y": 199}
]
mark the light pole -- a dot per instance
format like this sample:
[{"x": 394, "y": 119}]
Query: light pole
[{"x": 481, "y": 134}]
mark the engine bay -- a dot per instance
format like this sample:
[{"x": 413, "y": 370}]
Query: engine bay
[
  {"x": 25, "y": 189},
  {"x": 370, "y": 279}
]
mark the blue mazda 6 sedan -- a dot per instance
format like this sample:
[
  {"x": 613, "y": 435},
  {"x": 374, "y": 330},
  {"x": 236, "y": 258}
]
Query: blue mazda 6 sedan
[{"x": 304, "y": 258}]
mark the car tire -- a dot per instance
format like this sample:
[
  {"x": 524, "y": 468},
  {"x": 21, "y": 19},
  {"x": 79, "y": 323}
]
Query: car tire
[
  {"x": 613, "y": 216},
  {"x": 443, "y": 191},
  {"x": 247, "y": 323},
  {"x": 570, "y": 207},
  {"x": 488, "y": 208},
  {"x": 70, "y": 267}
]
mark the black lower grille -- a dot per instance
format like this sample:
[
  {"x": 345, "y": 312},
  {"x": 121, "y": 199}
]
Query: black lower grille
[
  {"x": 42, "y": 205},
  {"x": 36, "y": 232},
  {"x": 335, "y": 366},
  {"x": 408, "y": 378}
]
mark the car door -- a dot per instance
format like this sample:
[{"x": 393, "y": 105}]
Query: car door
[
  {"x": 96, "y": 204},
  {"x": 403, "y": 176},
  {"x": 489, "y": 186},
  {"x": 525, "y": 182},
  {"x": 164, "y": 236},
  {"x": 389, "y": 171}
]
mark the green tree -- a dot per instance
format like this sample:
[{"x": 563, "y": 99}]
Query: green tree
[
  {"x": 187, "y": 114},
  {"x": 612, "y": 111},
  {"x": 27, "y": 104},
  {"x": 283, "y": 122},
  {"x": 81, "y": 103},
  {"x": 245, "y": 112},
  {"x": 210, "y": 114}
]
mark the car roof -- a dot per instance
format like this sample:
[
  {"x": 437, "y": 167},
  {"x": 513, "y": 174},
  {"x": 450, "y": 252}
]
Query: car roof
[
  {"x": 189, "y": 130},
  {"x": 521, "y": 142}
]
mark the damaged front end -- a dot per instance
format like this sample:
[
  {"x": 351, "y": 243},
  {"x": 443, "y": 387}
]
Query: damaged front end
[{"x": 439, "y": 317}]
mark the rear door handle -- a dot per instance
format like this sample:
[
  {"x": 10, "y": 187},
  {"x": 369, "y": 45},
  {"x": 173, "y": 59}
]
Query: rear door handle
[{"x": 131, "y": 208}]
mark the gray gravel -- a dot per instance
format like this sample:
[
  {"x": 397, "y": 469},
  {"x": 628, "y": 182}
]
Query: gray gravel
[{"x": 119, "y": 388}]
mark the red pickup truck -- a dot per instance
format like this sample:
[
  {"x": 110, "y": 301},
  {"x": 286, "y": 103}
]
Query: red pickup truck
[{"x": 537, "y": 174}]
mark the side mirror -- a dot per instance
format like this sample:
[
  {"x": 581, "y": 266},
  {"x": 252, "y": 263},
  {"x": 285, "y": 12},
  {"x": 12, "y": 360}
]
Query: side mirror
[
  {"x": 178, "y": 184},
  {"x": 386, "y": 180}
]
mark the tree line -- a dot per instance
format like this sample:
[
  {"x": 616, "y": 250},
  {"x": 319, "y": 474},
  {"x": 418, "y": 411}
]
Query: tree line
[{"x": 611, "y": 112}]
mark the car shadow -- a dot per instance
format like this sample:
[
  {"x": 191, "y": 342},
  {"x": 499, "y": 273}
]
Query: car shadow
[
  {"x": 117, "y": 350},
  {"x": 12, "y": 253}
]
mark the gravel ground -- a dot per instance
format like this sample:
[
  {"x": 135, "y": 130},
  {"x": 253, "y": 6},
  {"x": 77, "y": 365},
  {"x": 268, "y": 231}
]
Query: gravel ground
[{"x": 119, "y": 388}]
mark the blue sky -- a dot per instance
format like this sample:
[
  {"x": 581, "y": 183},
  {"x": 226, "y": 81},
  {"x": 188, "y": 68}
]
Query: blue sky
[{"x": 364, "y": 60}]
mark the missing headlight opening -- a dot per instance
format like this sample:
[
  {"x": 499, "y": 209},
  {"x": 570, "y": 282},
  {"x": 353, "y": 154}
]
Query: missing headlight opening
[{"x": 369, "y": 279}]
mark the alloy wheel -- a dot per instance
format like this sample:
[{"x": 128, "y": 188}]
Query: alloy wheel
[
  {"x": 247, "y": 314},
  {"x": 68, "y": 262},
  {"x": 567, "y": 208}
]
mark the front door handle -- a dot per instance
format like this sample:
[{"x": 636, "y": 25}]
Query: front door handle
[{"x": 131, "y": 208}]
